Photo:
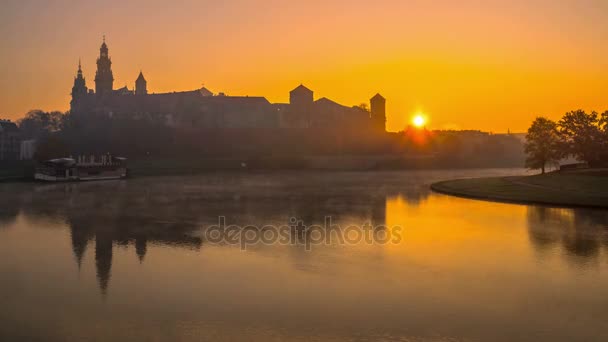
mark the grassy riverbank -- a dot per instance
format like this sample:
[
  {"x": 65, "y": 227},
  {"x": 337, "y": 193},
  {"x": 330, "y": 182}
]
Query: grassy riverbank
[{"x": 586, "y": 189}]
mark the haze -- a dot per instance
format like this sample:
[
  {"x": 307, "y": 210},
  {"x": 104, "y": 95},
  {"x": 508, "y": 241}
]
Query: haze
[{"x": 492, "y": 66}]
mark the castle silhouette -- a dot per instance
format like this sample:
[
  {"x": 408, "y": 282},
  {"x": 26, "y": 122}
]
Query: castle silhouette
[{"x": 201, "y": 108}]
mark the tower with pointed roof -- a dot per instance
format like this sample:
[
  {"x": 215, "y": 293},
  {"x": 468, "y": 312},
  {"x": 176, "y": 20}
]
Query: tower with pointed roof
[
  {"x": 301, "y": 103},
  {"x": 104, "y": 79},
  {"x": 141, "y": 85},
  {"x": 80, "y": 85},
  {"x": 79, "y": 90},
  {"x": 301, "y": 96},
  {"x": 378, "y": 112}
]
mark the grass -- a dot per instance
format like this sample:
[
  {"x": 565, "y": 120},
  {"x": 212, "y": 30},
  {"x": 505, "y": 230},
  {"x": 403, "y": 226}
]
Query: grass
[{"x": 584, "y": 189}]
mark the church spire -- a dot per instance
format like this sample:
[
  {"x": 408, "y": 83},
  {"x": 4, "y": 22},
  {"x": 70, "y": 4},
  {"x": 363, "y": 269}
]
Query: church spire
[
  {"x": 79, "y": 90},
  {"x": 79, "y": 68},
  {"x": 141, "y": 85},
  {"x": 103, "y": 78}
]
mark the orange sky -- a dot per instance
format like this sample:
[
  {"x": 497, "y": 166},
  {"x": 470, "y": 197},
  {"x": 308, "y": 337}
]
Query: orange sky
[{"x": 489, "y": 65}]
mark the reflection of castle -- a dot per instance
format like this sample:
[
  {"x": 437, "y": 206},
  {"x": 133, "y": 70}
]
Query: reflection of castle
[
  {"x": 127, "y": 234},
  {"x": 201, "y": 108},
  {"x": 145, "y": 214}
]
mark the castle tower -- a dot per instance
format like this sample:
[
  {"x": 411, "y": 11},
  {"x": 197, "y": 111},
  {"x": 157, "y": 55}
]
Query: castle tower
[
  {"x": 301, "y": 96},
  {"x": 79, "y": 90},
  {"x": 141, "y": 86},
  {"x": 301, "y": 101},
  {"x": 80, "y": 86},
  {"x": 103, "y": 78},
  {"x": 378, "y": 109}
]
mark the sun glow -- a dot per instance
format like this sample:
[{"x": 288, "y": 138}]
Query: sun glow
[{"x": 419, "y": 120}]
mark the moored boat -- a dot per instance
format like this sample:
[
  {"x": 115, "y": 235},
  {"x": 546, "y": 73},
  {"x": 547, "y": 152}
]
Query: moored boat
[{"x": 82, "y": 169}]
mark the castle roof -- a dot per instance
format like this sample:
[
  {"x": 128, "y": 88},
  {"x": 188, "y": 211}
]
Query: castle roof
[
  {"x": 177, "y": 101},
  {"x": 238, "y": 100},
  {"x": 205, "y": 92},
  {"x": 324, "y": 101},
  {"x": 140, "y": 77},
  {"x": 326, "y": 106},
  {"x": 301, "y": 89},
  {"x": 378, "y": 97}
]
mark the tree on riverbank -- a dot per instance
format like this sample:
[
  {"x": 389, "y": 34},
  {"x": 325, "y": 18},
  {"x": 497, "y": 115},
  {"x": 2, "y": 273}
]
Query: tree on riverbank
[
  {"x": 543, "y": 144},
  {"x": 603, "y": 125},
  {"x": 579, "y": 134},
  {"x": 582, "y": 136}
]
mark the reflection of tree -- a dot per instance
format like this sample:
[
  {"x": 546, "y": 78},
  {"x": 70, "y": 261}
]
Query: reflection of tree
[
  {"x": 541, "y": 234},
  {"x": 579, "y": 232}
]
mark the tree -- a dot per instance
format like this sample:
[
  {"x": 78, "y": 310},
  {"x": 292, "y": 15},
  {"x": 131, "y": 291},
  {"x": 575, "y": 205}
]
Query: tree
[
  {"x": 603, "y": 126},
  {"x": 542, "y": 144},
  {"x": 603, "y": 123},
  {"x": 581, "y": 134},
  {"x": 37, "y": 124},
  {"x": 363, "y": 106}
]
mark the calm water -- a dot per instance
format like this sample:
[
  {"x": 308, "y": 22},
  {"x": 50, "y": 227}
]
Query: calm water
[{"x": 133, "y": 261}]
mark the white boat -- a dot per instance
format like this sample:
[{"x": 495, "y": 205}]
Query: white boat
[{"x": 84, "y": 169}]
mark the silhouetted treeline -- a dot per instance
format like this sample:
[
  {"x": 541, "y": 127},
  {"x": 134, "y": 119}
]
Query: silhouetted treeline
[
  {"x": 578, "y": 134},
  {"x": 136, "y": 136},
  {"x": 38, "y": 124}
]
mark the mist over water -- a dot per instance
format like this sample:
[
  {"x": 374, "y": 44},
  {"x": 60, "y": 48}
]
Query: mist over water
[{"x": 131, "y": 261}]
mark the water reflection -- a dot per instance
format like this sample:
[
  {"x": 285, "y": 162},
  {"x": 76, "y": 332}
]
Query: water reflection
[
  {"x": 462, "y": 270},
  {"x": 9, "y": 209},
  {"x": 134, "y": 214},
  {"x": 118, "y": 227},
  {"x": 579, "y": 233}
]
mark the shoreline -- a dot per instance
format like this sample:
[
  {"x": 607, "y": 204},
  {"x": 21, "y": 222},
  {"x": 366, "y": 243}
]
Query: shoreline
[
  {"x": 564, "y": 190},
  {"x": 150, "y": 167}
]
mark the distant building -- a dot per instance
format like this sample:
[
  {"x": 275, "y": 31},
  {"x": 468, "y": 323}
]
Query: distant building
[
  {"x": 200, "y": 108},
  {"x": 10, "y": 140}
]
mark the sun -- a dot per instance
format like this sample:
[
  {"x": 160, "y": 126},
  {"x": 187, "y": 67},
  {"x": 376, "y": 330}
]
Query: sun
[{"x": 419, "y": 120}]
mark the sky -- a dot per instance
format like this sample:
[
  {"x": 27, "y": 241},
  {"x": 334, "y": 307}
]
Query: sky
[{"x": 487, "y": 65}]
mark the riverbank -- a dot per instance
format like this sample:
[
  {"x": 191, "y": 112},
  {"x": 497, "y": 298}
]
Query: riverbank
[
  {"x": 153, "y": 166},
  {"x": 588, "y": 188},
  {"x": 15, "y": 171}
]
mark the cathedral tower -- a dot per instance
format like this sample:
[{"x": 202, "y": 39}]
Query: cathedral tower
[
  {"x": 80, "y": 86},
  {"x": 378, "y": 109},
  {"x": 79, "y": 90},
  {"x": 103, "y": 78},
  {"x": 141, "y": 85}
]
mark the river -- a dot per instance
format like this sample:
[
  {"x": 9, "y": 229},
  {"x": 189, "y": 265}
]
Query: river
[{"x": 328, "y": 256}]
